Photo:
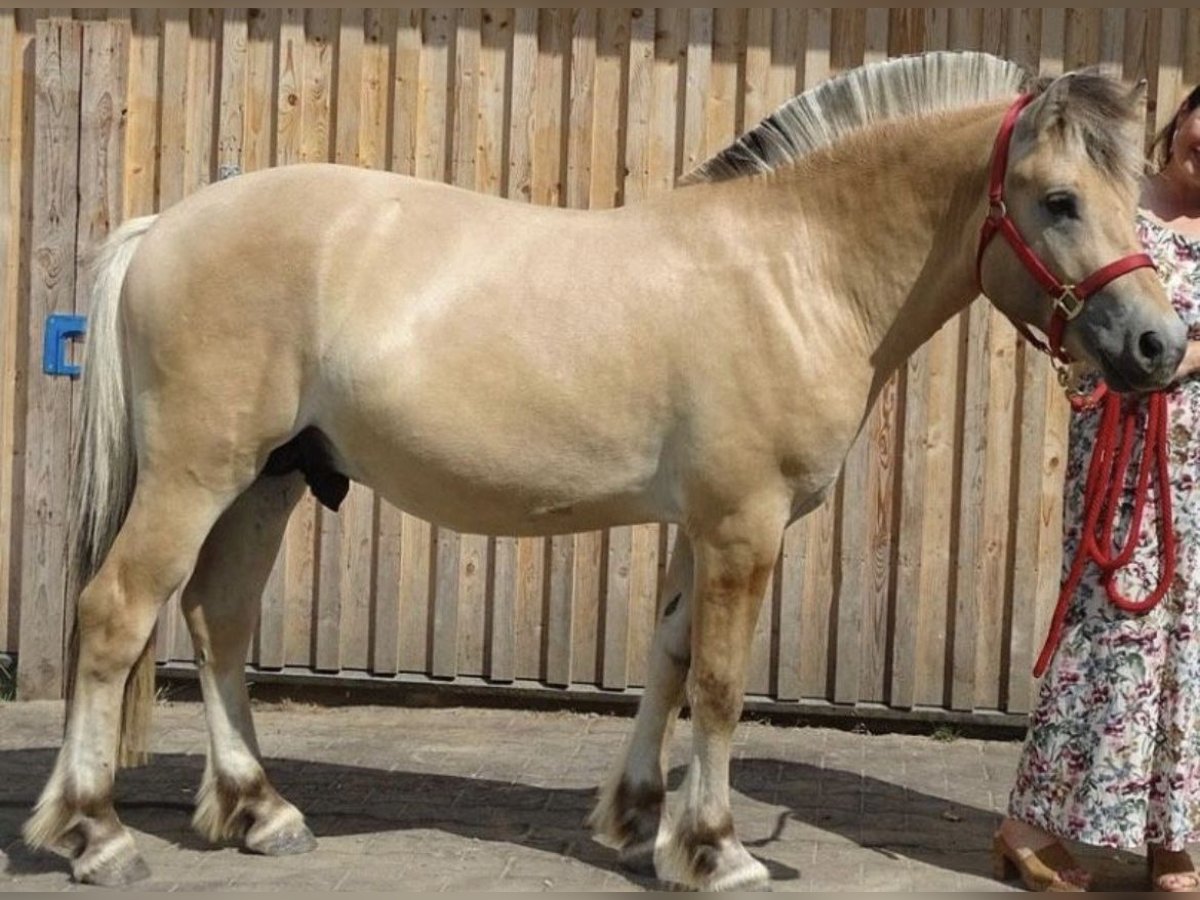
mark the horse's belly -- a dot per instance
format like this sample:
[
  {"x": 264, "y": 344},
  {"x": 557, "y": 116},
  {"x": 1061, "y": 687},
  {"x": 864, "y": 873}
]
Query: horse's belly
[{"x": 480, "y": 478}]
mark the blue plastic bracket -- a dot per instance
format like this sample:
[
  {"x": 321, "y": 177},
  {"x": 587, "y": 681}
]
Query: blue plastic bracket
[{"x": 61, "y": 329}]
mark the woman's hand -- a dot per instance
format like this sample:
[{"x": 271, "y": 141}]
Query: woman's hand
[{"x": 1190, "y": 364}]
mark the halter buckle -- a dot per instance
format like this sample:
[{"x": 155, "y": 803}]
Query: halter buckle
[
  {"x": 997, "y": 211},
  {"x": 1069, "y": 304}
]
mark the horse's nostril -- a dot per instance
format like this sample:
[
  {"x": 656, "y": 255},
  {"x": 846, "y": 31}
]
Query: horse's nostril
[{"x": 1150, "y": 346}]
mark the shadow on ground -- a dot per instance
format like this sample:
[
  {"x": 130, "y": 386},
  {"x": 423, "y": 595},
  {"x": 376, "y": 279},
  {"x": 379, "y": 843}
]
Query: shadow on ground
[{"x": 355, "y": 800}]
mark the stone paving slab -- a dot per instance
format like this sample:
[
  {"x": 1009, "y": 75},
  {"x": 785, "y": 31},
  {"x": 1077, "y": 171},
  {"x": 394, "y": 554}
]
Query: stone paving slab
[{"x": 479, "y": 799}]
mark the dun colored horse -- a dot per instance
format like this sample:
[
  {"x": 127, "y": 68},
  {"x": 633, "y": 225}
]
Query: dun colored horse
[{"x": 704, "y": 358}]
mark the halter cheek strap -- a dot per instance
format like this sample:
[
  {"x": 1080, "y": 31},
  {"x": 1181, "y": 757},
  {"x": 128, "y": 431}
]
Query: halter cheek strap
[{"x": 1068, "y": 298}]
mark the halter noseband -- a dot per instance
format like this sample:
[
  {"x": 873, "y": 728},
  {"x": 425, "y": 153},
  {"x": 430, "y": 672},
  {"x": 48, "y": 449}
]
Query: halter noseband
[{"x": 1068, "y": 298}]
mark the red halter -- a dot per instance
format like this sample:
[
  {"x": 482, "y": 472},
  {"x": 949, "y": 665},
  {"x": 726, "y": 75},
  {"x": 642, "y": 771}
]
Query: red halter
[
  {"x": 1112, "y": 454},
  {"x": 1068, "y": 298}
]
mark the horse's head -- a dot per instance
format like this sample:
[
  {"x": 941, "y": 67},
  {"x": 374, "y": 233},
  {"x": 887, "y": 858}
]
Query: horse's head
[{"x": 1070, "y": 188}]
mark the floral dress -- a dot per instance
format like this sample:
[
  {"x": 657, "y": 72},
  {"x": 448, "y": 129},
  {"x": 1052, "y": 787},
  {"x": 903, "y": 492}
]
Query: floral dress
[{"x": 1112, "y": 757}]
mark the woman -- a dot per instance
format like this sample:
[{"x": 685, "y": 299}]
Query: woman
[{"x": 1113, "y": 753}]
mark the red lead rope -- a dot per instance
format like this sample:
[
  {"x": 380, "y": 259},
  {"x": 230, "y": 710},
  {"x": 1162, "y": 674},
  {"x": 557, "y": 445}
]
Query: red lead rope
[{"x": 1107, "y": 472}]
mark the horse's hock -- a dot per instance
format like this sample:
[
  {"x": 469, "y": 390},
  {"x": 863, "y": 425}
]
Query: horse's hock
[{"x": 918, "y": 591}]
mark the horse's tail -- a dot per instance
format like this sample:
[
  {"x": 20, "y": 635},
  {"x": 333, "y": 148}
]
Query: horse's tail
[{"x": 105, "y": 469}]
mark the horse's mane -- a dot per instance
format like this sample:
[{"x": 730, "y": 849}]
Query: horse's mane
[{"x": 906, "y": 87}]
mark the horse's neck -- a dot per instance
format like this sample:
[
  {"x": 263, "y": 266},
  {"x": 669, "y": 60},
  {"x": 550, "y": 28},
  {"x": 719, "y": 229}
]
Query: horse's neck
[{"x": 885, "y": 230}]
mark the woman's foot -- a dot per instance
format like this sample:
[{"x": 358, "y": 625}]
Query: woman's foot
[
  {"x": 1038, "y": 857},
  {"x": 1172, "y": 871}
]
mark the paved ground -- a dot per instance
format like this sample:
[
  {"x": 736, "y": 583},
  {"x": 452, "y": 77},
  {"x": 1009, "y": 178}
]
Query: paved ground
[{"x": 466, "y": 799}]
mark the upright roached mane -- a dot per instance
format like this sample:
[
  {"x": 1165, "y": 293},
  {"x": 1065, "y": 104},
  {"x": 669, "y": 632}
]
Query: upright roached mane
[
  {"x": 915, "y": 86},
  {"x": 899, "y": 88}
]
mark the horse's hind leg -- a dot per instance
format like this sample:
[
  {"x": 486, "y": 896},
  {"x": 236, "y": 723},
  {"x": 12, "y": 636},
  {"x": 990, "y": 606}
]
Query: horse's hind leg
[
  {"x": 156, "y": 547},
  {"x": 221, "y": 604},
  {"x": 629, "y": 811}
]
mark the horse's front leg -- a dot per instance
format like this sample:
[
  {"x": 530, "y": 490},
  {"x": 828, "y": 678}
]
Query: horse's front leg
[
  {"x": 629, "y": 811},
  {"x": 734, "y": 559}
]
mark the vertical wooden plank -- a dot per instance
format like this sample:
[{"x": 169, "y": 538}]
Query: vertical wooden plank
[
  {"x": 496, "y": 50},
  {"x": 1171, "y": 62},
  {"x": 846, "y": 52},
  {"x": 300, "y": 540},
  {"x": 141, "y": 103},
  {"x": 546, "y": 186},
  {"x": 316, "y": 145},
  {"x": 19, "y": 253},
  {"x": 522, "y": 97},
  {"x": 723, "y": 106},
  {"x": 781, "y": 32},
  {"x": 1112, "y": 41},
  {"x": 347, "y": 100},
  {"x": 172, "y": 163},
  {"x": 573, "y": 618},
  {"x": 583, "y": 75},
  {"x": 971, "y": 482},
  {"x": 406, "y": 84},
  {"x": 101, "y": 142},
  {"x": 640, "y": 126},
  {"x": 320, "y": 31},
  {"x": 817, "y": 581},
  {"x": 52, "y": 289},
  {"x": 506, "y": 68},
  {"x": 459, "y": 134},
  {"x": 1042, "y": 387},
  {"x": 382, "y": 525},
  {"x": 1083, "y": 38},
  {"x": 231, "y": 129},
  {"x": 1053, "y": 47},
  {"x": 760, "y": 28},
  {"x": 699, "y": 73},
  {"x": 907, "y": 34},
  {"x": 399, "y": 41},
  {"x": 204, "y": 63},
  {"x": 422, "y": 98},
  {"x": 942, "y": 429},
  {"x": 880, "y": 508},
  {"x": 258, "y": 140},
  {"x": 12, "y": 161},
  {"x": 747, "y": 43},
  {"x": 605, "y": 191},
  {"x": 468, "y": 617},
  {"x": 1191, "y": 49},
  {"x": 664, "y": 150},
  {"x": 199, "y": 151},
  {"x": 356, "y": 143},
  {"x": 552, "y": 103},
  {"x": 535, "y": 118},
  {"x": 998, "y": 339},
  {"x": 255, "y": 150}
]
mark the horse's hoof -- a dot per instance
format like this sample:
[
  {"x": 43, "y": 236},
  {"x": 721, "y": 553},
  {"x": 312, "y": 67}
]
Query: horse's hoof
[
  {"x": 638, "y": 860},
  {"x": 118, "y": 872},
  {"x": 288, "y": 842}
]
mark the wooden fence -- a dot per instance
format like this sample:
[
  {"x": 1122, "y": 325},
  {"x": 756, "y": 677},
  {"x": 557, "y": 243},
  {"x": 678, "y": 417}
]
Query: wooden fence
[{"x": 924, "y": 583}]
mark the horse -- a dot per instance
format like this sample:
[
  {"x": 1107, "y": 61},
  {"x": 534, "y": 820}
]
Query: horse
[{"x": 704, "y": 358}]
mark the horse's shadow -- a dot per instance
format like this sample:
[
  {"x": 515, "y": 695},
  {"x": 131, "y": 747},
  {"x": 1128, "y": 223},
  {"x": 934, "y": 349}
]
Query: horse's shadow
[{"x": 341, "y": 800}]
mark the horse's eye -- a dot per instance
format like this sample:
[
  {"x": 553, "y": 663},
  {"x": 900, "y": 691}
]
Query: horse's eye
[{"x": 1061, "y": 205}]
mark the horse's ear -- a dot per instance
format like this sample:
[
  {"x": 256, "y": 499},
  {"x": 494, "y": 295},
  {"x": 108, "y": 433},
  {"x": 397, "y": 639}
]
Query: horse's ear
[
  {"x": 1052, "y": 105},
  {"x": 1136, "y": 96}
]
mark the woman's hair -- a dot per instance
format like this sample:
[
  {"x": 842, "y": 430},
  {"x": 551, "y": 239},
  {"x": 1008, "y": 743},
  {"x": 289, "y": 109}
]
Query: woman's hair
[{"x": 1166, "y": 137}]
